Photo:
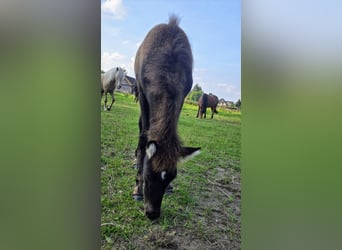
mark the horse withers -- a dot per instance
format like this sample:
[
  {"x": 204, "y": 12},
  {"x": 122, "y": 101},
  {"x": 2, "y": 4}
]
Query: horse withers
[
  {"x": 109, "y": 81},
  {"x": 163, "y": 69},
  {"x": 207, "y": 101}
]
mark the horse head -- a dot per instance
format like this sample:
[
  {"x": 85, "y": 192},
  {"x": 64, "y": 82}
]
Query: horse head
[
  {"x": 158, "y": 172},
  {"x": 120, "y": 74}
]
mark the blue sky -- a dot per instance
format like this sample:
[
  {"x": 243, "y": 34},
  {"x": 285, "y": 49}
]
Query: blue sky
[{"x": 213, "y": 29}]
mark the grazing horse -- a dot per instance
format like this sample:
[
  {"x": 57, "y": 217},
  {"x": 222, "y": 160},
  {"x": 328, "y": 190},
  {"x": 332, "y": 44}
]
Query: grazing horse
[
  {"x": 207, "y": 101},
  {"x": 109, "y": 80},
  {"x": 163, "y": 69}
]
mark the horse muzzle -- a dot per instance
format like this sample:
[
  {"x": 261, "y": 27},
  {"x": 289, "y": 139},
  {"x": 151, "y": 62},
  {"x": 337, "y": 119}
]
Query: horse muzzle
[
  {"x": 152, "y": 212},
  {"x": 152, "y": 215}
]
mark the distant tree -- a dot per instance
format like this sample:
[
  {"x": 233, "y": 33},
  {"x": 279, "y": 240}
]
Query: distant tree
[
  {"x": 197, "y": 87},
  {"x": 102, "y": 71},
  {"x": 195, "y": 95},
  {"x": 238, "y": 103}
]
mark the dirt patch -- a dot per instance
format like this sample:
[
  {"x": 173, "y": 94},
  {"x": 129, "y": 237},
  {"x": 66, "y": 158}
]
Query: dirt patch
[{"x": 216, "y": 220}]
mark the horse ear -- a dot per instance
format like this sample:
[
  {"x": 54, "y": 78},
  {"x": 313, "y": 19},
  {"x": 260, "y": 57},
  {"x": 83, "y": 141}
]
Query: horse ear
[{"x": 188, "y": 152}]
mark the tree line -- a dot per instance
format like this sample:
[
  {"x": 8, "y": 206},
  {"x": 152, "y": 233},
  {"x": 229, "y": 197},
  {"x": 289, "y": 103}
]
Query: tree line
[{"x": 197, "y": 91}]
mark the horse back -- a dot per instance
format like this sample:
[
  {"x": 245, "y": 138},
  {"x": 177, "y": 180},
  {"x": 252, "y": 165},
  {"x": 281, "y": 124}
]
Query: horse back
[
  {"x": 213, "y": 99},
  {"x": 164, "y": 60}
]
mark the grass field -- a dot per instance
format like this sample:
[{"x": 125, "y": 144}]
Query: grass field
[{"x": 204, "y": 210}]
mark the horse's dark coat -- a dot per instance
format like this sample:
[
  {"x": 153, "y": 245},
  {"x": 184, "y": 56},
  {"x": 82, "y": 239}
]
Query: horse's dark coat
[
  {"x": 204, "y": 103},
  {"x": 207, "y": 101},
  {"x": 163, "y": 68}
]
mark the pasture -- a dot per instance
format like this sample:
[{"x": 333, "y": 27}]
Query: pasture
[{"x": 204, "y": 210}]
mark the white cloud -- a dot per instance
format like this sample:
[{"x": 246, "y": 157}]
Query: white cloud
[
  {"x": 213, "y": 83},
  {"x": 199, "y": 75},
  {"x": 113, "y": 31},
  {"x": 230, "y": 90},
  {"x": 126, "y": 42},
  {"x": 138, "y": 44},
  {"x": 200, "y": 70},
  {"x": 197, "y": 79},
  {"x": 132, "y": 64},
  {"x": 115, "y": 8},
  {"x": 111, "y": 60}
]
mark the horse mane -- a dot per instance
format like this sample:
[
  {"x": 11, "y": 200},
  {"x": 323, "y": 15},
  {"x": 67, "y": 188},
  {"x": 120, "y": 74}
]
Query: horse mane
[{"x": 174, "y": 20}]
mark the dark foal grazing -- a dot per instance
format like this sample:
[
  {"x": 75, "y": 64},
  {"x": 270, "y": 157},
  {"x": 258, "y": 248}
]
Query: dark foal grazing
[
  {"x": 207, "y": 101},
  {"x": 163, "y": 69}
]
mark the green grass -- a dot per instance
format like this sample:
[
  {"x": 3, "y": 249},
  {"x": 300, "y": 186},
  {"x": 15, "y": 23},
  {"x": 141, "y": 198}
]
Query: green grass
[{"x": 183, "y": 212}]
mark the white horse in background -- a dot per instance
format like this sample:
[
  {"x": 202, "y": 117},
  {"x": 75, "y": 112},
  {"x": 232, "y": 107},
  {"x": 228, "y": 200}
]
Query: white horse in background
[{"x": 109, "y": 81}]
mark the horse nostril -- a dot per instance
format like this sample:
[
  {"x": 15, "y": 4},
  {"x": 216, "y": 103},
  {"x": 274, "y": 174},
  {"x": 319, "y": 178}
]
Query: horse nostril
[{"x": 152, "y": 215}]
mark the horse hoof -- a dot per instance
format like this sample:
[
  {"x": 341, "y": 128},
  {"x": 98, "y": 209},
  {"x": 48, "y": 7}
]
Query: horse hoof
[
  {"x": 137, "y": 197},
  {"x": 135, "y": 166},
  {"x": 169, "y": 190}
]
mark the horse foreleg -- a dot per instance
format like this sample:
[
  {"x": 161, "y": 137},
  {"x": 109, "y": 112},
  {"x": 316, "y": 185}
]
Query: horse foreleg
[
  {"x": 138, "y": 189},
  {"x": 105, "y": 102},
  {"x": 113, "y": 100},
  {"x": 140, "y": 155},
  {"x": 198, "y": 111}
]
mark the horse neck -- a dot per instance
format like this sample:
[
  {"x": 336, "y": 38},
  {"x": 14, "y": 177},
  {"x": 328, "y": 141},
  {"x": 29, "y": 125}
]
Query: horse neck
[
  {"x": 164, "y": 119},
  {"x": 119, "y": 76}
]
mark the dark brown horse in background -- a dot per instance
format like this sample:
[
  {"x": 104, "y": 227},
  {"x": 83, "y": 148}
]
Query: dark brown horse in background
[
  {"x": 163, "y": 69},
  {"x": 207, "y": 101}
]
